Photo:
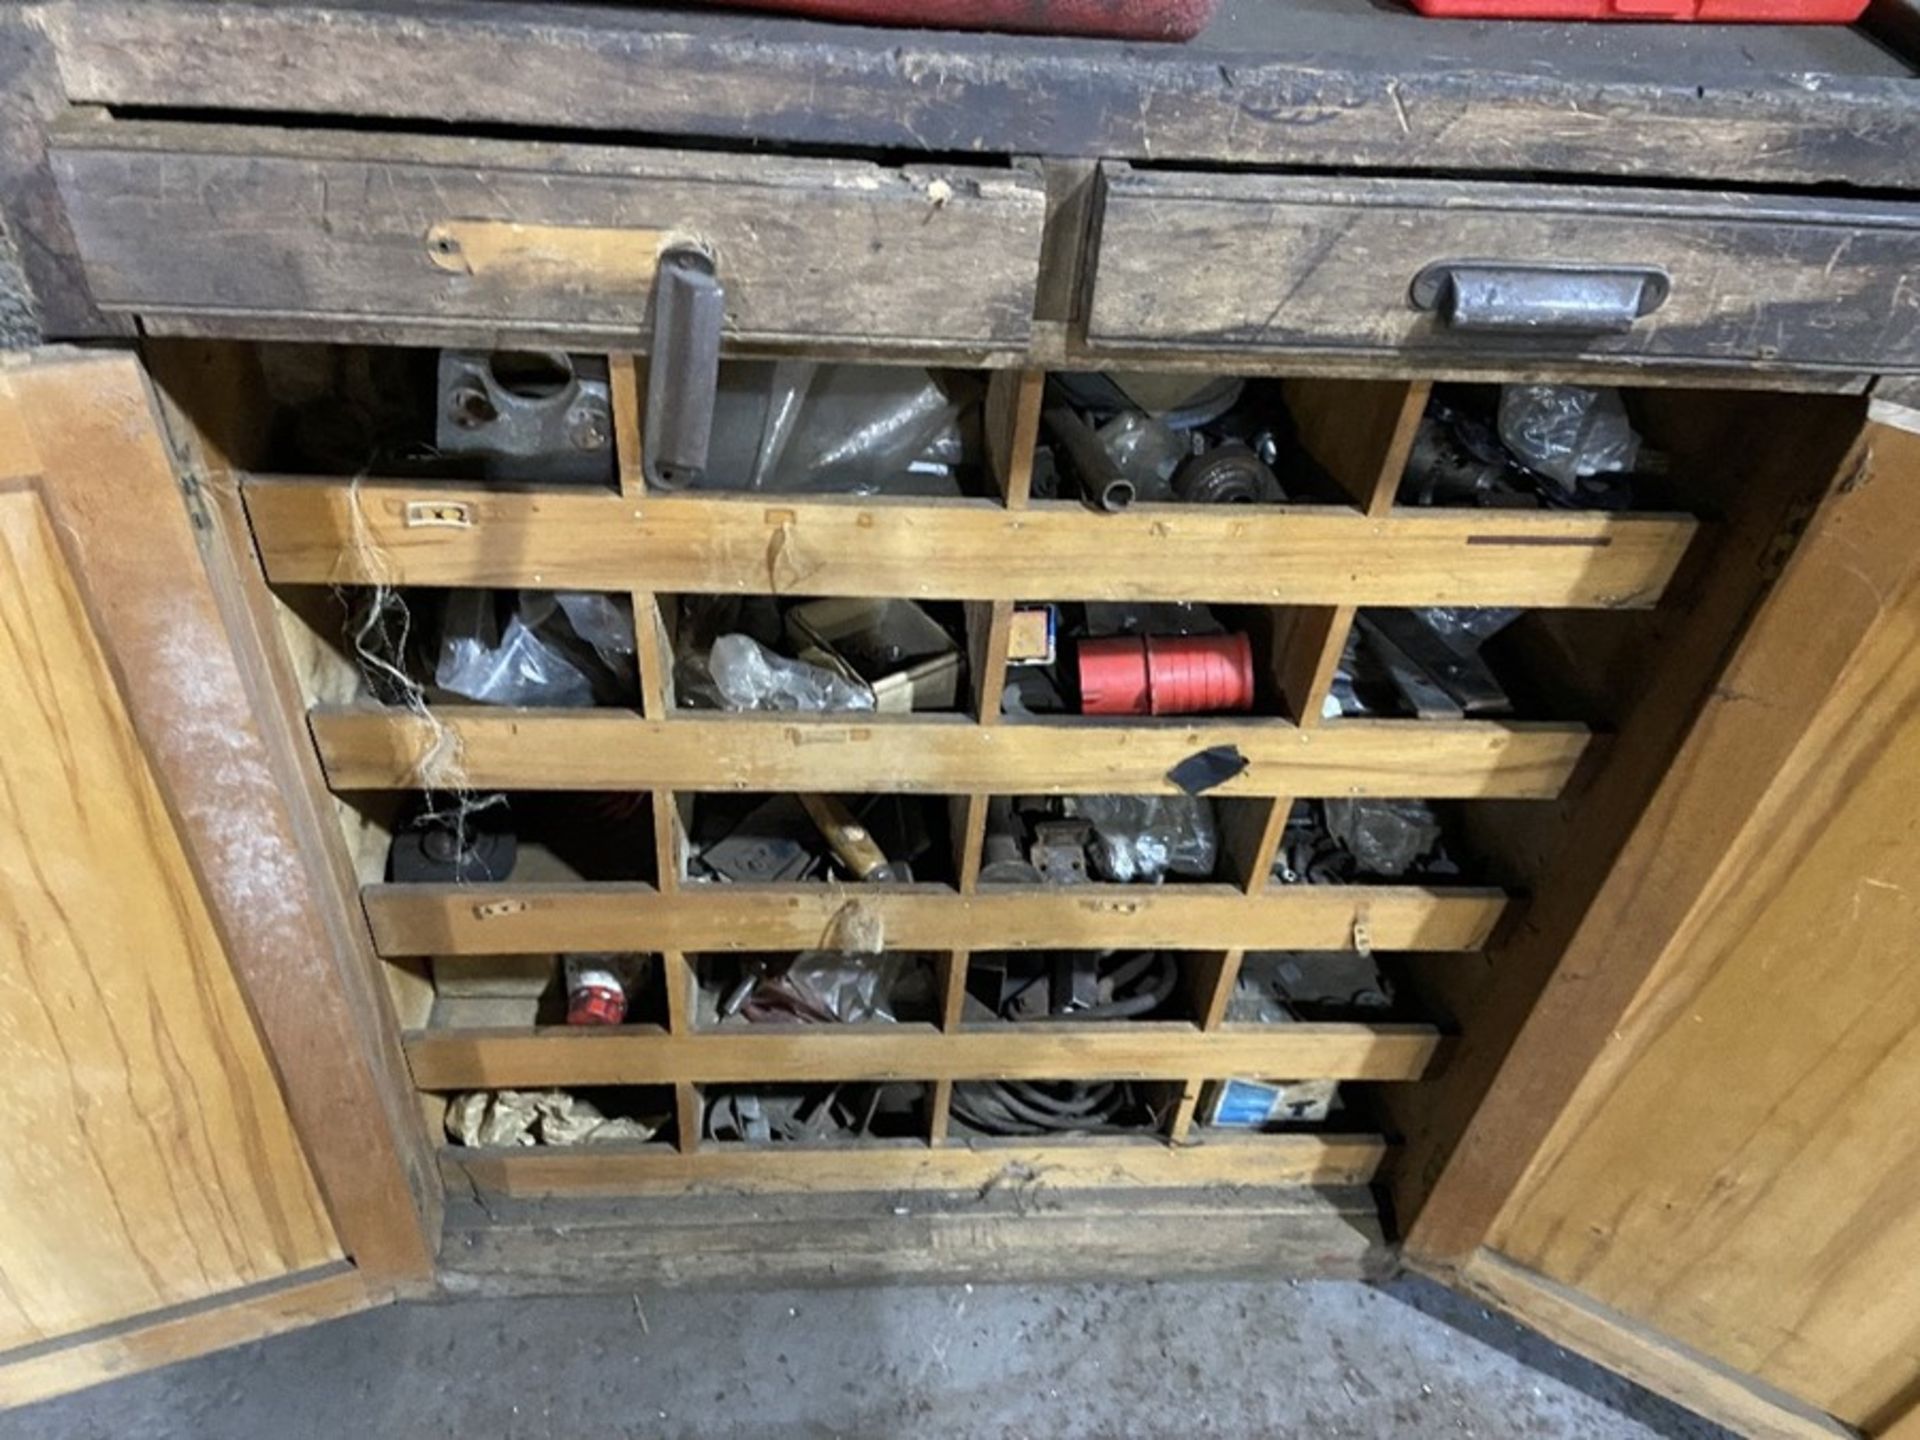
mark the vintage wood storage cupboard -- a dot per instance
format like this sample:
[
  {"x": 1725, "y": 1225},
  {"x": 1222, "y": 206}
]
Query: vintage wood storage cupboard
[{"x": 1642, "y": 1080}]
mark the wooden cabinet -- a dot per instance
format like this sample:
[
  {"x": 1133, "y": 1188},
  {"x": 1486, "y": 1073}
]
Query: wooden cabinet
[
  {"x": 1641, "y": 1081},
  {"x": 1697, "y": 1135},
  {"x": 167, "y": 1185}
]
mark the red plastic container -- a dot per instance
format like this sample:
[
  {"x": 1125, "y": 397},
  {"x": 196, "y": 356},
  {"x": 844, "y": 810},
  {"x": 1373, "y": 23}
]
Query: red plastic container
[
  {"x": 1170, "y": 675},
  {"x": 1761, "y": 12}
]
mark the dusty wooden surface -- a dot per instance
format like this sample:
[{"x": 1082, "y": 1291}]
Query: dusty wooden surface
[
  {"x": 153, "y": 1162},
  {"x": 112, "y": 489},
  {"x": 1329, "y": 84},
  {"x": 1024, "y": 1229}
]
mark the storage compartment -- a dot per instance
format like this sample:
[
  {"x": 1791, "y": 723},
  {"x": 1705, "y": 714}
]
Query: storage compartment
[
  {"x": 941, "y": 921},
  {"x": 761, "y": 653},
  {"x": 480, "y": 237},
  {"x": 1496, "y": 273}
]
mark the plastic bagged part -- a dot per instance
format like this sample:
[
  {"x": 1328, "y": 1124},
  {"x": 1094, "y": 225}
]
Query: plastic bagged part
[
  {"x": 1147, "y": 837},
  {"x": 1145, "y": 451},
  {"x": 484, "y": 661},
  {"x": 1385, "y": 837},
  {"x": 1567, "y": 432},
  {"x": 747, "y": 675},
  {"x": 856, "y": 430},
  {"x": 604, "y": 621},
  {"x": 537, "y": 1117},
  {"x": 821, "y": 987},
  {"x": 1466, "y": 628}
]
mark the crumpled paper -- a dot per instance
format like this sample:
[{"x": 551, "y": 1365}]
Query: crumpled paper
[{"x": 537, "y": 1117}]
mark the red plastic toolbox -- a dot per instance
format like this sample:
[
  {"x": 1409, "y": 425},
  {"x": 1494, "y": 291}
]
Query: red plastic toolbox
[{"x": 1760, "y": 12}]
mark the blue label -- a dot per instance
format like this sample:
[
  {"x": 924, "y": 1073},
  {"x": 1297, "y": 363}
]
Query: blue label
[{"x": 1246, "y": 1104}]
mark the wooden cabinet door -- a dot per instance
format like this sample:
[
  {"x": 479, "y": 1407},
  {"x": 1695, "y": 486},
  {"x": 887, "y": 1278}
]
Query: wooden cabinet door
[
  {"x": 1699, "y": 1164},
  {"x": 156, "y": 1195}
]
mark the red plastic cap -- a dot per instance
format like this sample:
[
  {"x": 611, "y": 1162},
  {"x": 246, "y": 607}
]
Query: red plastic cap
[
  {"x": 1113, "y": 677},
  {"x": 1170, "y": 675},
  {"x": 596, "y": 1005}
]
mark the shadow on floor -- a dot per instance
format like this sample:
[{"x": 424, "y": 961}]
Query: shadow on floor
[{"x": 1497, "y": 1332}]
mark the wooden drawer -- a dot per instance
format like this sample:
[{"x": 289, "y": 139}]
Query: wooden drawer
[
  {"x": 1368, "y": 267},
  {"x": 206, "y": 227}
]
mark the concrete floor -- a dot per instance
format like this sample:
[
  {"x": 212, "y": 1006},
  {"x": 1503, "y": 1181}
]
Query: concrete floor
[{"x": 1323, "y": 1360}]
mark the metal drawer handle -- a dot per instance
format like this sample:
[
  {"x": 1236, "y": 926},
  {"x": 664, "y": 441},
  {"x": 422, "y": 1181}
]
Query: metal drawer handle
[
  {"x": 1540, "y": 299},
  {"x": 689, "y": 304}
]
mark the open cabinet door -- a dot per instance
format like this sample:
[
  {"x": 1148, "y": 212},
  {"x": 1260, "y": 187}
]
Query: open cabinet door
[
  {"x": 170, "y": 1182},
  {"x": 1698, "y": 1163}
]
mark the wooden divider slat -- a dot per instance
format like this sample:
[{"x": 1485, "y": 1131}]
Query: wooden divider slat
[
  {"x": 373, "y": 749},
  {"x": 454, "y": 920},
  {"x": 436, "y": 533},
  {"x": 458, "y": 1059}
]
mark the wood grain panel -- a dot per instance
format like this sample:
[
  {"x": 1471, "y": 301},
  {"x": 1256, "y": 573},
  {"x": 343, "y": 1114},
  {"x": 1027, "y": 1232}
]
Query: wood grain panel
[
  {"x": 588, "y": 750},
  {"x": 310, "y": 533},
  {"x": 1629, "y": 1348},
  {"x": 153, "y": 562},
  {"x": 271, "y": 1309},
  {"x": 1323, "y": 265},
  {"x": 152, "y": 1161},
  {"x": 492, "y": 233},
  {"x": 452, "y": 920},
  {"x": 1733, "y": 1170}
]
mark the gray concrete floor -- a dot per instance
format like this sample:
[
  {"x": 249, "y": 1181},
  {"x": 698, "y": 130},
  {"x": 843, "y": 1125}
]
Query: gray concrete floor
[{"x": 1322, "y": 1359}]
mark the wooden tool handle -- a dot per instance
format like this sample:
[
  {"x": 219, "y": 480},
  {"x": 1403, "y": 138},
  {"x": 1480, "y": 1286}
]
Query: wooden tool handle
[{"x": 852, "y": 846}]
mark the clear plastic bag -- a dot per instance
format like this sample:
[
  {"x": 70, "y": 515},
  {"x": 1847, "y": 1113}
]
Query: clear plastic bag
[
  {"x": 1386, "y": 837},
  {"x": 536, "y": 657},
  {"x": 840, "y": 429},
  {"x": 604, "y": 621},
  {"x": 1466, "y": 628},
  {"x": 1147, "y": 837},
  {"x": 746, "y": 675},
  {"x": 1567, "y": 432},
  {"x": 824, "y": 986}
]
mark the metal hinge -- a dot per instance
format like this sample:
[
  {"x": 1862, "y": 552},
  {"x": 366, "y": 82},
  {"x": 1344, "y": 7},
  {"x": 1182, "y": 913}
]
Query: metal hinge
[{"x": 193, "y": 491}]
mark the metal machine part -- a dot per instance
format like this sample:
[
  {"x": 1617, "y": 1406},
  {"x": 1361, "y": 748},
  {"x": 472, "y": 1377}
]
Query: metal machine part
[
  {"x": 1436, "y": 680},
  {"x": 470, "y": 846},
  {"x": 683, "y": 375},
  {"x": 768, "y": 846},
  {"x": 527, "y": 415},
  {"x": 1059, "y": 851},
  {"x": 804, "y": 1113},
  {"x": 1080, "y": 985},
  {"x": 1099, "y": 481},
  {"x": 1001, "y": 860},
  {"x": 1228, "y": 474},
  {"x": 1277, "y": 986},
  {"x": 1339, "y": 842}
]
